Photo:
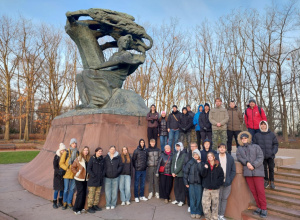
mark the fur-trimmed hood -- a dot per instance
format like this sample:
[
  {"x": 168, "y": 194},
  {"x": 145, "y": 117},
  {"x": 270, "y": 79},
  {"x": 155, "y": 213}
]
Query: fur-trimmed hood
[{"x": 249, "y": 139}]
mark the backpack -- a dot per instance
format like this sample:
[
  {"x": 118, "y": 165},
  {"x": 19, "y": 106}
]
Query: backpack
[{"x": 259, "y": 110}]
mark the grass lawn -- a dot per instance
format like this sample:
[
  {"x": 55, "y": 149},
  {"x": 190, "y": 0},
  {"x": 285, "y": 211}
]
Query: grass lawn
[{"x": 17, "y": 156}]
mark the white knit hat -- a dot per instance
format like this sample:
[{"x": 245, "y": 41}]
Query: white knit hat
[{"x": 61, "y": 147}]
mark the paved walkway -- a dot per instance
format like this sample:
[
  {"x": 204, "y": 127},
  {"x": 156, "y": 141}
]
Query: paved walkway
[{"x": 17, "y": 203}]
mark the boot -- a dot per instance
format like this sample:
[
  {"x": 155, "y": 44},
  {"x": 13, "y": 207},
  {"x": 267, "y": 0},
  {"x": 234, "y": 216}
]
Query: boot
[
  {"x": 96, "y": 208},
  {"x": 65, "y": 206},
  {"x": 266, "y": 184},
  {"x": 272, "y": 185},
  {"x": 60, "y": 202},
  {"x": 55, "y": 204}
]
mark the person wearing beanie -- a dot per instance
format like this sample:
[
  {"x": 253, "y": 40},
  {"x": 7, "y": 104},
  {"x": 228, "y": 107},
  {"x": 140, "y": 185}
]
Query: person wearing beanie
[
  {"x": 66, "y": 160},
  {"x": 197, "y": 126},
  {"x": 251, "y": 157},
  {"x": 253, "y": 116},
  {"x": 177, "y": 173},
  {"x": 204, "y": 123},
  {"x": 173, "y": 127},
  {"x": 228, "y": 166},
  {"x": 185, "y": 127},
  {"x": 163, "y": 130},
  {"x": 193, "y": 181},
  {"x": 218, "y": 118},
  {"x": 58, "y": 180},
  {"x": 153, "y": 126},
  {"x": 268, "y": 143},
  {"x": 206, "y": 149}
]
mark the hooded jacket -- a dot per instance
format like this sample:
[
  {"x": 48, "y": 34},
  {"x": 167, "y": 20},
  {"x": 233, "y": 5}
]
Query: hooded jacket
[
  {"x": 267, "y": 141},
  {"x": 218, "y": 115},
  {"x": 165, "y": 160},
  {"x": 79, "y": 169},
  {"x": 204, "y": 121},
  {"x": 213, "y": 179},
  {"x": 196, "y": 118},
  {"x": 139, "y": 157},
  {"x": 204, "y": 152},
  {"x": 96, "y": 170},
  {"x": 178, "y": 161},
  {"x": 192, "y": 172},
  {"x": 230, "y": 169},
  {"x": 185, "y": 122},
  {"x": 153, "y": 154},
  {"x": 253, "y": 117},
  {"x": 235, "y": 119},
  {"x": 251, "y": 153},
  {"x": 173, "y": 120},
  {"x": 113, "y": 166}
]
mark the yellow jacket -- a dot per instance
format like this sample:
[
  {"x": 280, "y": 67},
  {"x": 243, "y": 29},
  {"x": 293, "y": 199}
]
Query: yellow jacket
[{"x": 64, "y": 164}]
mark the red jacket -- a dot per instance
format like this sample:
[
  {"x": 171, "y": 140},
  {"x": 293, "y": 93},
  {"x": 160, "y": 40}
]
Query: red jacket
[{"x": 253, "y": 117}]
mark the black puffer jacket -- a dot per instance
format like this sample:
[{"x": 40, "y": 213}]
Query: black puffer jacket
[
  {"x": 58, "y": 180},
  {"x": 186, "y": 123},
  {"x": 165, "y": 160},
  {"x": 139, "y": 158},
  {"x": 204, "y": 121},
  {"x": 153, "y": 154},
  {"x": 96, "y": 170},
  {"x": 173, "y": 120},
  {"x": 213, "y": 179},
  {"x": 127, "y": 166},
  {"x": 192, "y": 172},
  {"x": 113, "y": 166},
  {"x": 163, "y": 130}
]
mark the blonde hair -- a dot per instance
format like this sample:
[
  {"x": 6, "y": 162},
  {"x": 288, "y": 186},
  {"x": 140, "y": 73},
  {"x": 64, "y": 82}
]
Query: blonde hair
[{"x": 127, "y": 156}]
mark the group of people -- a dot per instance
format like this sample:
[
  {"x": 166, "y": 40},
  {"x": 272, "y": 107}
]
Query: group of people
[{"x": 202, "y": 179}]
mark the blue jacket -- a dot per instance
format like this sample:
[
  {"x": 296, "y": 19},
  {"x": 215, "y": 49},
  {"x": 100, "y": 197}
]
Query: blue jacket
[{"x": 196, "y": 118}]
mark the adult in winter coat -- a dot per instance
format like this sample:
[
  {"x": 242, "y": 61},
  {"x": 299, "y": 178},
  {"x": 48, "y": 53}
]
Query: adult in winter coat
[
  {"x": 125, "y": 177},
  {"x": 58, "y": 180},
  {"x": 113, "y": 169},
  {"x": 197, "y": 126},
  {"x": 189, "y": 111},
  {"x": 139, "y": 161},
  {"x": 253, "y": 116},
  {"x": 234, "y": 125},
  {"x": 185, "y": 127},
  {"x": 163, "y": 130},
  {"x": 218, "y": 118},
  {"x": 173, "y": 126},
  {"x": 206, "y": 149},
  {"x": 204, "y": 123},
  {"x": 165, "y": 175},
  {"x": 177, "y": 173},
  {"x": 96, "y": 169},
  {"x": 79, "y": 168},
  {"x": 251, "y": 157},
  {"x": 228, "y": 166},
  {"x": 213, "y": 179},
  {"x": 65, "y": 162},
  {"x": 268, "y": 142},
  {"x": 153, "y": 154},
  {"x": 153, "y": 129}
]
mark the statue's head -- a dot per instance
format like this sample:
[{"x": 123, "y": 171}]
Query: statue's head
[{"x": 124, "y": 42}]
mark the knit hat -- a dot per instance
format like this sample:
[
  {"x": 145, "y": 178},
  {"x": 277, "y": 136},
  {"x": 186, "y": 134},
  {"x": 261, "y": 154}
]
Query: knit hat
[
  {"x": 61, "y": 147},
  {"x": 73, "y": 140},
  {"x": 196, "y": 151},
  {"x": 163, "y": 112},
  {"x": 252, "y": 100},
  {"x": 244, "y": 135},
  {"x": 174, "y": 106},
  {"x": 206, "y": 104}
]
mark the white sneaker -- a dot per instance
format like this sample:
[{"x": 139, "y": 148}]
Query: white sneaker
[
  {"x": 83, "y": 211},
  {"x": 150, "y": 195},
  {"x": 180, "y": 204},
  {"x": 143, "y": 198},
  {"x": 123, "y": 203},
  {"x": 174, "y": 202},
  {"x": 157, "y": 195},
  {"x": 112, "y": 207},
  {"x": 221, "y": 217},
  {"x": 137, "y": 200},
  {"x": 127, "y": 203},
  {"x": 77, "y": 213},
  {"x": 189, "y": 209},
  {"x": 107, "y": 207}
]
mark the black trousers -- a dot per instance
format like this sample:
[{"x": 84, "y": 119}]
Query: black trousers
[
  {"x": 178, "y": 189},
  {"x": 81, "y": 187},
  {"x": 152, "y": 134},
  {"x": 206, "y": 135},
  {"x": 230, "y": 135},
  {"x": 271, "y": 164},
  {"x": 165, "y": 186},
  {"x": 187, "y": 194},
  {"x": 198, "y": 139}
]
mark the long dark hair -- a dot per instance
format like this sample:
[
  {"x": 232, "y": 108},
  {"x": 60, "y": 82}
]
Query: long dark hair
[{"x": 151, "y": 107}]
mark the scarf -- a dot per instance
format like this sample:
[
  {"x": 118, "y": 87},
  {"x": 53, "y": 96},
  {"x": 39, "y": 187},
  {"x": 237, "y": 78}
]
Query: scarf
[{"x": 73, "y": 155}]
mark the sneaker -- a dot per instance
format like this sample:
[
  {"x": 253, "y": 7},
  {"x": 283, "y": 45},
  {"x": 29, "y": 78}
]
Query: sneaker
[
  {"x": 272, "y": 185},
  {"x": 91, "y": 210},
  {"x": 157, "y": 195},
  {"x": 266, "y": 184},
  {"x": 83, "y": 211},
  {"x": 263, "y": 213},
  {"x": 198, "y": 216},
  {"x": 77, "y": 213},
  {"x": 150, "y": 195},
  {"x": 127, "y": 203},
  {"x": 189, "y": 209},
  {"x": 137, "y": 200},
  {"x": 123, "y": 203},
  {"x": 96, "y": 208},
  {"x": 180, "y": 204},
  {"x": 107, "y": 207},
  {"x": 112, "y": 207},
  {"x": 193, "y": 216},
  {"x": 143, "y": 198},
  {"x": 257, "y": 211},
  {"x": 174, "y": 202},
  {"x": 221, "y": 217},
  {"x": 166, "y": 201}
]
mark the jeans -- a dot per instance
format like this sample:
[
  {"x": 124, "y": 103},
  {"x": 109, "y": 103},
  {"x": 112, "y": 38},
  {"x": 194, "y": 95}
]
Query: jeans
[
  {"x": 253, "y": 132},
  {"x": 195, "y": 191},
  {"x": 111, "y": 191},
  {"x": 186, "y": 136},
  {"x": 81, "y": 187},
  {"x": 124, "y": 186},
  {"x": 230, "y": 135},
  {"x": 139, "y": 180},
  {"x": 163, "y": 142},
  {"x": 69, "y": 186},
  {"x": 61, "y": 193},
  {"x": 173, "y": 138},
  {"x": 223, "y": 196},
  {"x": 269, "y": 163}
]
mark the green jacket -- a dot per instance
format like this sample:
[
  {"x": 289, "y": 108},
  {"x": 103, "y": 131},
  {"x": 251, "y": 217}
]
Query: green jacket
[{"x": 179, "y": 164}]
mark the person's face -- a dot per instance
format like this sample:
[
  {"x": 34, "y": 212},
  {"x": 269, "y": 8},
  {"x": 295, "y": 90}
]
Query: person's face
[
  {"x": 124, "y": 150},
  {"x": 188, "y": 108},
  {"x": 193, "y": 147},
  {"x": 196, "y": 157},
  {"x": 142, "y": 143},
  {"x": 252, "y": 104},
  {"x": 153, "y": 108},
  {"x": 163, "y": 115},
  {"x": 125, "y": 42},
  {"x": 62, "y": 151},
  {"x": 263, "y": 126},
  {"x": 73, "y": 145},
  {"x": 210, "y": 157},
  {"x": 152, "y": 143},
  {"x": 174, "y": 109},
  {"x": 232, "y": 104},
  {"x": 85, "y": 151},
  {"x": 244, "y": 140},
  {"x": 222, "y": 149},
  {"x": 167, "y": 148},
  {"x": 99, "y": 153},
  {"x": 218, "y": 103},
  {"x": 184, "y": 111},
  {"x": 206, "y": 145},
  {"x": 177, "y": 147},
  {"x": 200, "y": 109},
  {"x": 112, "y": 150},
  {"x": 206, "y": 108}
]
